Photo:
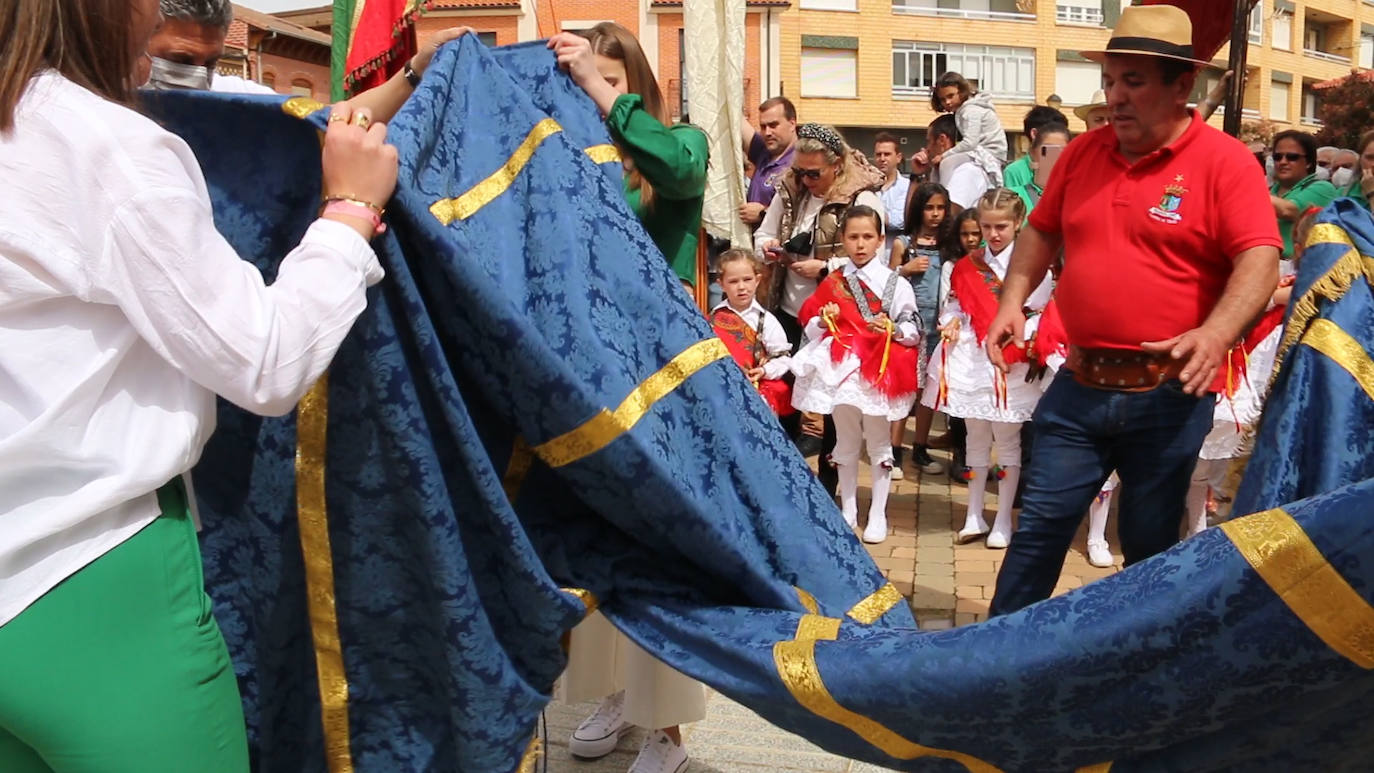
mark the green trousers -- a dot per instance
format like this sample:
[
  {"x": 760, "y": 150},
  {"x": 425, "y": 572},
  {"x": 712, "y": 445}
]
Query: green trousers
[{"x": 121, "y": 668}]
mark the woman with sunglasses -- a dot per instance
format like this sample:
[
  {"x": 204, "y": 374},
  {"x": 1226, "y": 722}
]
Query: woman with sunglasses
[
  {"x": 799, "y": 242},
  {"x": 1296, "y": 186}
]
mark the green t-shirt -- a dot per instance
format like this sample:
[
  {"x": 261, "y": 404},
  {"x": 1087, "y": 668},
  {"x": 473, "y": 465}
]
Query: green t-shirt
[
  {"x": 1029, "y": 193},
  {"x": 1018, "y": 173},
  {"x": 673, "y": 160},
  {"x": 1307, "y": 192}
]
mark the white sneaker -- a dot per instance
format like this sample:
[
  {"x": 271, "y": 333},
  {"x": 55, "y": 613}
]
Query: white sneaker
[
  {"x": 599, "y": 733},
  {"x": 659, "y": 755},
  {"x": 897, "y": 473},
  {"x": 1099, "y": 554}
]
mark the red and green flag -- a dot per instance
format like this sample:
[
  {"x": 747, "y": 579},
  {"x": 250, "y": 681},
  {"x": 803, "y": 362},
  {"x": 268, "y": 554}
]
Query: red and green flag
[{"x": 372, "y": 40}]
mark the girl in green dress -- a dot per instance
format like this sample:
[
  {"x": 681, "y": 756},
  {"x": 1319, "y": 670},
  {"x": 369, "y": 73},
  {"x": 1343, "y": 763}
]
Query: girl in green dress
[
  {"x": 665, "y": 163},
  {"x": 665, "y": 182}
]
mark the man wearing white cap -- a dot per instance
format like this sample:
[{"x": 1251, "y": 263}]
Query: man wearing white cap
[
  {"x": 1095, "y": 113},
  {"x": 1169, "y": 253}
]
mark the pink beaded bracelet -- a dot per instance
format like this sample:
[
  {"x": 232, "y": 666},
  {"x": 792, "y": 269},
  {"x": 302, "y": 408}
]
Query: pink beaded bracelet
[{"x": 356, "y": 209}]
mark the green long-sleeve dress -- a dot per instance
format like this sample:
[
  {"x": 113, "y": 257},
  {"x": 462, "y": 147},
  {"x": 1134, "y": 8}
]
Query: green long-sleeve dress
[{"x": 673, "y": 160}]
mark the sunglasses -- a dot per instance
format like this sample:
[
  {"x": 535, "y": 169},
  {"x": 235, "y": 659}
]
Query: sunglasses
[
  {"x": 808, "y": 174},
  {"x": 1289, "y": 156}
]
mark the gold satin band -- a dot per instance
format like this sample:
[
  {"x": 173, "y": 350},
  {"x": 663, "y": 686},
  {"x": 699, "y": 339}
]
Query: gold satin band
[
  {"x": 808, "y": 601},
  {"x": 876, "y": 605},
  {"x": 588, "y": 599},
  {"x": 1327, "y": 337},
  {"x": 795, "y": 661},
  {"x": 300, "y": 107},
  {"x": 483, "y": 193},
  {"x": 1332, "y": 286},
  {"x": 312, "y": 421},
  {"x": 531, "y": 757},
  {"x": 603, "y": 154},
  {"x": 1284, "y": 556},
  {"x": 1101, "y": 767},
  {"x": 597, "y": 432}
]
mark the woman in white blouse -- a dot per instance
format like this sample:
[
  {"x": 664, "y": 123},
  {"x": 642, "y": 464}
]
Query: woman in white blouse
[{"x": 122, "y": 314}]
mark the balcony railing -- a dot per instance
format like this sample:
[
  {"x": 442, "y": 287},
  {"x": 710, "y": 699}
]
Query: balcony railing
[
  {"x": 923, "y": 93},
  {"x": 1078, "y": 14},
  {"x": 1325, "y": 57},
  {"x": 959, "y": 13}
]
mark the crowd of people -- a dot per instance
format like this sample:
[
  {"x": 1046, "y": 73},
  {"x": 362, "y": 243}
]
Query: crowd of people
[{"x": 1083, "y": 315}]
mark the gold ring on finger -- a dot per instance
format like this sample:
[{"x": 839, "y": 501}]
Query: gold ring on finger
[
  {"x": 362, "y": 120},
  {"x": 336, "y": 117}
]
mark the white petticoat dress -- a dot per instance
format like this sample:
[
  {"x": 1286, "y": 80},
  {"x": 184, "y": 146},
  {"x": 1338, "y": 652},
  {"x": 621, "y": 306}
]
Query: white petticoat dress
[
  {"x": 823, "y": 383},
  {"x": 1236, "y": 416}
]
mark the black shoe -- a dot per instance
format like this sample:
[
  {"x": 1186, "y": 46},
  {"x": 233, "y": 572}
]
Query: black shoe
[
  {"x": 921, "y": 460},
  {"x": 809, "y": 445}
]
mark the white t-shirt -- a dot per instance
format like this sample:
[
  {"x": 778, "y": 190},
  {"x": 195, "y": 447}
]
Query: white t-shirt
[
  {"x": 122, "y": 313},
  {"x": 233, "y": 84},
  {"x": 967, "y": 185}
]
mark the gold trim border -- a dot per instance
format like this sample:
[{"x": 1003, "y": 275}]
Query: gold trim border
[
  {"x": 521, "y": 458},
  {"x": 1333, "y": 285},
  {"x": 877, "y": 604},
  {"x": 599, "y": 431},
  {"x": 588, "y": 599},
  {"x": 312, "y": 423},
  {"x": 1284, "y": 556},
  {"x": 1327, "y": 337},
  {"x": 795, "y": 661},
  {"x": 300, "y": 107},
  {"x": 603, "y": 154},
  {"x": 483, "y": 193}
]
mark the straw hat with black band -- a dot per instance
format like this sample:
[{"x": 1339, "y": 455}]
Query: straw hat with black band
[
  {"x": 1150, "y": 30},
  {"x": 1099, "y": 102}
]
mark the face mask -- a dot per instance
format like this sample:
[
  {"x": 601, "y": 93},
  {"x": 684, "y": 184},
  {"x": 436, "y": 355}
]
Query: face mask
[
  {"x": 1323, "y": 173},
  {"x": 174, "y": 75},
  {"x": 1343, "y": 177}
]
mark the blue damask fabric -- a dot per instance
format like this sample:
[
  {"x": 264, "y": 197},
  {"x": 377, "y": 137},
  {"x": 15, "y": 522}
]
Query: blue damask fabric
[
  {"x": 1319, "y": 437},
  {"x": 695, "y": 525}
]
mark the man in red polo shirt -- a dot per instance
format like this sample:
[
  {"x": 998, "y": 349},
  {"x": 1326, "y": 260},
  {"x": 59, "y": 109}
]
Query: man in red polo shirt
[{"x": 1170, "y": 252}]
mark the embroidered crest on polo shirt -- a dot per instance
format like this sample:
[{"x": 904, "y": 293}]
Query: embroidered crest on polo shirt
[{"x": 1166, "y": 211}]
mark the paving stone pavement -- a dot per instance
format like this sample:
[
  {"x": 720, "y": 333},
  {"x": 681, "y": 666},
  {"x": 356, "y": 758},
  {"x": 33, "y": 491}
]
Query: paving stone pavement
[{"x": 946, "y": 585}]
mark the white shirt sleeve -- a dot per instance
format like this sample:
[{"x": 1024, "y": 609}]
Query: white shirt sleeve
[
  {"x": 779, "y": 349},
  {"x": 768, "y": 229},
  {"x": 951, "y": 310},
  {"x": 210, "y": 314}
]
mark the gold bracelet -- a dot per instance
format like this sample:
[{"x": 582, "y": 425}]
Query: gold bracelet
[{"x": 324, "y": 200}]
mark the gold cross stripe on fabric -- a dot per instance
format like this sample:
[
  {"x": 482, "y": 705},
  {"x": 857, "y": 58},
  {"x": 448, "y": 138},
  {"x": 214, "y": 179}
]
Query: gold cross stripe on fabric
[
  {"x": 599, "y": 431},
  {"x": 1341, "y": 348},
  {"x": 795, "y": 661},
  {"x": 467, "y": 204}
]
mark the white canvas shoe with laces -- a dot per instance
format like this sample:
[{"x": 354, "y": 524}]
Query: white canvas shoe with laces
[
  {"x": 659, "y": 755},
  {"x": 599, "y": 733}
]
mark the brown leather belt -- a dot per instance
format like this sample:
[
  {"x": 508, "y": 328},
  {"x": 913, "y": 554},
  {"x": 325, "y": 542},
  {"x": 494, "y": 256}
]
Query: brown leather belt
[{"x": 1121, "y": 370}]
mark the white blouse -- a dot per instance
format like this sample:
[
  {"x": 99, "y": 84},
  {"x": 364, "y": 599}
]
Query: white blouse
[{"x": 122, "y": 313}]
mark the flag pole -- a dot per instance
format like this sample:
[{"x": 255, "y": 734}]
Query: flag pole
[{"x": 1240, "y": 47}]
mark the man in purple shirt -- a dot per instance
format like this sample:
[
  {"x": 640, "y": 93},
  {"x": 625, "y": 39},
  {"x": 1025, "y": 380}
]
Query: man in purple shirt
[{"x": 770, "y": 149}]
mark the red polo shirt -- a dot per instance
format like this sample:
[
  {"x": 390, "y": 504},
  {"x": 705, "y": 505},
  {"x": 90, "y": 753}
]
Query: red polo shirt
[{"x": 1148, "y": 246}]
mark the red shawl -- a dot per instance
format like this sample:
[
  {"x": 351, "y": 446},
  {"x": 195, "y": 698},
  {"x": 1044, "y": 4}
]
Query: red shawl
[
  {"x": 978, "y": 290},
  {"x": 743, "y": 343},
  {"x": 1229, "y": 378},
  {"x": 885, "y": 364}
]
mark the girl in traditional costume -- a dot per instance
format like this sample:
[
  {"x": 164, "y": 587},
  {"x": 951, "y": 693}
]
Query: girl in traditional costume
[
  {"x": 754, "y": 336},
  {"x": 964, "y": 383},
  {"x": 860, "y": 362}
]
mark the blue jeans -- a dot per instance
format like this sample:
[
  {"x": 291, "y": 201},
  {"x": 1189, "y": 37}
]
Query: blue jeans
[{"x": 1150, "y": 438}]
